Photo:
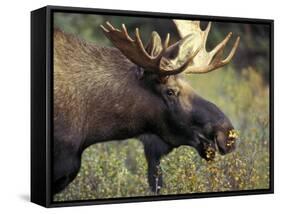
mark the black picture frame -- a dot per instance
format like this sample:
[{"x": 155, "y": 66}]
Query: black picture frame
[{"x": 42, "y": 99}]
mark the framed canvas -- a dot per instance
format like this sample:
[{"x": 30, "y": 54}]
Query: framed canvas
[{"x": 133, "y": 106}]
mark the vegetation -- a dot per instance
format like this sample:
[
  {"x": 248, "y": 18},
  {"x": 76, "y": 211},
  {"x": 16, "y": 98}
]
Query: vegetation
[{"x": 118, "y": 168}]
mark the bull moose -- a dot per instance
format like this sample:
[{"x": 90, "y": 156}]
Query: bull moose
[{"x": 132, "y": 90}]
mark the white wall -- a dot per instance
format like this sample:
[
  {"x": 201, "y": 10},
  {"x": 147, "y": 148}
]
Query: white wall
[{"x": 15, "y": 99}]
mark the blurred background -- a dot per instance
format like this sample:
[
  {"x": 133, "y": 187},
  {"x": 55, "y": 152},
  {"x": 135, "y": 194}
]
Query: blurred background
[{"x": 240, "y": 90}]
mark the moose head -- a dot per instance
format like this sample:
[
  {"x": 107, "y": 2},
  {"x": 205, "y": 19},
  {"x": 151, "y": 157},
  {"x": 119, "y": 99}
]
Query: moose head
[{"x": 180, "y": 115}]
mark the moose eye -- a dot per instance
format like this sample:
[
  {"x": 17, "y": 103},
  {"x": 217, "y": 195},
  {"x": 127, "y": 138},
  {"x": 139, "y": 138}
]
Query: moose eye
[{"x": 170, "y": 92}]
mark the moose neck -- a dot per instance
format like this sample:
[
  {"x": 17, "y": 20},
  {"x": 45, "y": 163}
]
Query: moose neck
[
  {"x": 121, "y": 105},
  {"x": 98, "y": 90}
]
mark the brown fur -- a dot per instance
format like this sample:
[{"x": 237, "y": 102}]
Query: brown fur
[{"x": 93, "y": 90}]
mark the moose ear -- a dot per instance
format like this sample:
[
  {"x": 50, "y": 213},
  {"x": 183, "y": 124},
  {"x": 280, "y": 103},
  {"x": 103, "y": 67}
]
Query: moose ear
[{"x": 154, "y": 46}]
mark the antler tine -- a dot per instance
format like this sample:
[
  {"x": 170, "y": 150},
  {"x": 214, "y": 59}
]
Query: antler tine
[
  {"x": 124, "y": 30},
  {"x": 221, "y": 45},
  {"x": 166, "y": 43},
  {"x": 110, "y": 26},
  {"x": 140, "y": 44},
  {"x": 232, "y": 52},
  {"x": 206, "y": 33},
  {"x": 104, "y": 29}
]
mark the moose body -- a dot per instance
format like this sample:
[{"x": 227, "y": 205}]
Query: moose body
[{"x": 103, "y": 93}]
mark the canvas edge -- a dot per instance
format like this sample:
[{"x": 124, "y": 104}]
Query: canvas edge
[
  {"x": 38, "y": 152},
  {"x": 49, "y": 24}
]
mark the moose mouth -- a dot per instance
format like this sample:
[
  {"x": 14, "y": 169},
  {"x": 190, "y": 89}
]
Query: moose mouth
[{"x": 224, "y": 145}]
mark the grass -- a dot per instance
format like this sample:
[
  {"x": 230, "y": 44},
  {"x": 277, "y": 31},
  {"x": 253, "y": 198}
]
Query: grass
[{"x": 118, "y": 169}]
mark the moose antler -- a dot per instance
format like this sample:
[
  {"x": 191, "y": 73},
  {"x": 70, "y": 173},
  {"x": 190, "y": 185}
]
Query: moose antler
[
  {"x": 187, "y": 55},
  {"x": 205, "y": 61},
  {"x": 181, "y": 52}
]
